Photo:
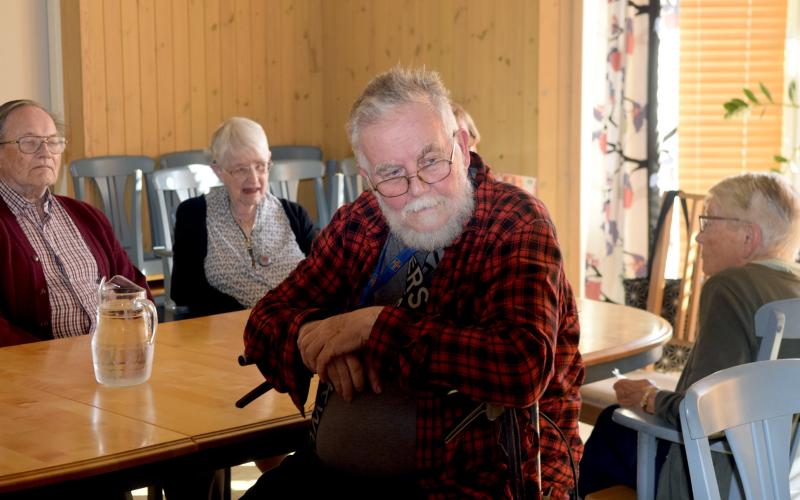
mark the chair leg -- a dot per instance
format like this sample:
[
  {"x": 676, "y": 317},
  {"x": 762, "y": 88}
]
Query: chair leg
[
  {"x": 226, "y": 492},
  {"x": 647, "y": 447},
  {"x": 154, "y": 492}
]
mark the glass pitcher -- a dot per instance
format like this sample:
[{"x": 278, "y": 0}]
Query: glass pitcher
[{"x": 124, "y": 339}]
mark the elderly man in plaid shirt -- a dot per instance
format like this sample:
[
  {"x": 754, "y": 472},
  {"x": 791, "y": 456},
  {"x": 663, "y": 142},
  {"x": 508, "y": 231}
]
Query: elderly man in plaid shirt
[{"x": 436, "y": 313}]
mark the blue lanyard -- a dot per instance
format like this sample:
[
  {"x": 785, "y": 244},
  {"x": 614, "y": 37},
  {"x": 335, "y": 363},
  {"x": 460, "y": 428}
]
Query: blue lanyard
[{"x": 380, "y": 278}]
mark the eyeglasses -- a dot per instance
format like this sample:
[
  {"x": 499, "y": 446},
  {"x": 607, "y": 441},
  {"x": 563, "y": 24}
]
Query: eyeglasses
[
  {"x": 242, "y": 171},
  {"x": 704, "y": 220},
  {"x": 429, "y": 170},
  {"x": 30, "y": 144}
]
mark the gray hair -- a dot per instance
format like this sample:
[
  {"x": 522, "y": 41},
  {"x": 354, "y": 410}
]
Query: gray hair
[
  {"x": 236, "y": 134},
  {"x": 768, "y": 200},
  {"x": 7, "y": 108},
  {"x": 397, "y": 87}
]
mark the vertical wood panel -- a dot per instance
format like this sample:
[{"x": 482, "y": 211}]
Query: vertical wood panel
[
  {"x": 151, "y": 145},
  {"x": 213, "y": 62},
  {"x": 165, "y": 80},
  {"x": 259, "y": 61},
  {"x": 94, "y": 70},
  {"x": 197, "y": 75},
  {"x": 132, "y": 77},
  {"x": 244, "y": 59},
  {"x": 181, "y": 71},
  {"x": 115, "y": 82},
  {"x": 227, "y": 19}
]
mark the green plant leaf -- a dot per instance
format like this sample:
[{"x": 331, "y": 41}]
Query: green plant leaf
[
  {"x": 734, "y": 106},
  {"x": 793, "y": 92},
  {"x": 765, "y": 91},
  {"x": 780, "y": 159},
  {"x": 750, "y": 95}
]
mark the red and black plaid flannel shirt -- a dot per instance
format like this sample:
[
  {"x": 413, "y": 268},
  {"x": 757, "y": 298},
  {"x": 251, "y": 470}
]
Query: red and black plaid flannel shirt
[{"x": 500, "y": 326}]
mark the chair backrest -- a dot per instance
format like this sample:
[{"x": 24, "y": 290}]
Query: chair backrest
[
  {"x": 691, "y": 277},
  {"x": 774, "y": 322},
  {"x": 285, "y": 176},
  {"x": 345, "y": 184},
  {"x": 169, "y": 160},
  {"x": 754, "y": 405},
  {"x": 175, "y": 185},
  {"x": 295, "y": 153},
  {"x": 114, "y": 176}
]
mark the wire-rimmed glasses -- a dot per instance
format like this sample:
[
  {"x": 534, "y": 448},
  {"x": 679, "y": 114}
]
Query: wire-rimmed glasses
[
  {"x": 242, "y": 171},
  {"x": 30, "y": 144},
  {"x": 429, "y": 171},
  {"x": 705, "y": 219}
]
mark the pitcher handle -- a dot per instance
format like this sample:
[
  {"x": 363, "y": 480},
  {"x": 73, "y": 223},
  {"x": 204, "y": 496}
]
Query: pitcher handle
[{"x": 148, "y": 305}]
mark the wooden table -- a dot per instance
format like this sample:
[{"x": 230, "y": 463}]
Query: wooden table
[
  {"x": 57, "y": 424},
  {"x": 617, "y": 336}
]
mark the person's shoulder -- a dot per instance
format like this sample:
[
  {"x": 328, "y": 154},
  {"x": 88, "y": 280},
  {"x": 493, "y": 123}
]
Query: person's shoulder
[
  {"x": 508, "y": 204},
  {"x": 193, "y": 206}
]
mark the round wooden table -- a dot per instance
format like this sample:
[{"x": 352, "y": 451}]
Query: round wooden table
[{"x": 617, "y": 336}]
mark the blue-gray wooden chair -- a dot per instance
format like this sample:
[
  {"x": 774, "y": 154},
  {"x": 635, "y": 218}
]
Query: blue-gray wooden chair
[
  {"x": 285, "y": 177},
  {"x": 754, "y": 406},
  {"x": 296, "y": 153},
  {"x": 774, "y": 322},
  {"x": 119, "y": 182},
  {"x": 173, "y": 186}
]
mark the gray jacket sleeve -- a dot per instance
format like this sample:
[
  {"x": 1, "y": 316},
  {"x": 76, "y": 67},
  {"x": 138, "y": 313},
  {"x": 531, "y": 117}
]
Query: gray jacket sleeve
[{"x": 725, "y": 338}]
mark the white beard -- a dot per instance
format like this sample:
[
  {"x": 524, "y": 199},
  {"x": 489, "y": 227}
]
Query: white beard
[{"x": 461, "y": 209}]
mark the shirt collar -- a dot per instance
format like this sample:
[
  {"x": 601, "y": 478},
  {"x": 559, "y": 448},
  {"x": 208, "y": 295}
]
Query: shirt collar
[{"x": 19, "y": 204}]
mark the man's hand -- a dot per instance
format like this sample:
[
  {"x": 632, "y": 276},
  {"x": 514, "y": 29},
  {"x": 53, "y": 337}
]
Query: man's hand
[
  {"x": 631, "y": 392},
  {"x": 346, "y": 373},
  {"x": 322, "y": 341}
]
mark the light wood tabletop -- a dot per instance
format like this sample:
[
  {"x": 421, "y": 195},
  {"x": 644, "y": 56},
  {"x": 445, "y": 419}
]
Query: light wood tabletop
[
  {"x": 57, "y": 423},
  {"x": 187, "y": 406},
  {"x": 617, "y": 336}
]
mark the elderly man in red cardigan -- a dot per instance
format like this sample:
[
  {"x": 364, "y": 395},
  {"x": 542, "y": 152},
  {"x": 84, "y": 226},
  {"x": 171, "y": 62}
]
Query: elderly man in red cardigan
[{"x": 53, "y": 250}]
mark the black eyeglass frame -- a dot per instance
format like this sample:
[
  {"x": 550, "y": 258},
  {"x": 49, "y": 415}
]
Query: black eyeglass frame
[{"x": 705, "y": 219}]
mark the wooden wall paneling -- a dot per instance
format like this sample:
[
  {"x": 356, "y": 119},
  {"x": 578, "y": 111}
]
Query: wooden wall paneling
[
  {"x": 181, "y": 70},
  {"x": 200, "y": 132},
  {"x": 94, "y": 78},
  {"x": 288, "y": 57},
  {"x": 148, "y": 81},
  {"x": 131, "y": 77},
  {"x": 260, "y": 29},
  {"x": 273, "y": 70},
  {"x": 227, "y": 15},
  {"x": 71, "y": 50},
  {"x": 529, "y": 80},
  {"x": 165, "y": 80},
  {"x": 213, "y": 55},
  {"x": 244, "y": 59},
  {"x": 115, "y": 82}
]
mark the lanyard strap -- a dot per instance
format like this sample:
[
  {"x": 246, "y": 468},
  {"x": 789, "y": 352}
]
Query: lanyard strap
[{"x": 381, "y": 276}]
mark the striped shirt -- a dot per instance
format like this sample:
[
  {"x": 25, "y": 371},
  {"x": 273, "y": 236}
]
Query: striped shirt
[{"x": 69, "y": 267}]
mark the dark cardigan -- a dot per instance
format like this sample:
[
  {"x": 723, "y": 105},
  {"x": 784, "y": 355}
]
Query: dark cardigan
[
  {"x": 24, "y": 296},
  {"x": 190, "y": 287}
]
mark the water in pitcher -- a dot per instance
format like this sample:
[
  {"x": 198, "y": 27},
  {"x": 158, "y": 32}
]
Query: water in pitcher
[{"x": 122, "y": 346}]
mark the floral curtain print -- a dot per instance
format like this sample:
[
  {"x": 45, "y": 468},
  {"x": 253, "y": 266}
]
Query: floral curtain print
[{"x": 617, "y": 239}]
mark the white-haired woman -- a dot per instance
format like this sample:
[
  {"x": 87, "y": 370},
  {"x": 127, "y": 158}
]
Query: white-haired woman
[
  {"x": 749, "y": 236},
  {"x": 238, "y": 242}
]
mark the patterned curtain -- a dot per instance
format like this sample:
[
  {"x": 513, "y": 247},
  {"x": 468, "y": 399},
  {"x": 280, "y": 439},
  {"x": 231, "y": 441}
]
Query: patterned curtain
[{"x": 617, "y": 236}]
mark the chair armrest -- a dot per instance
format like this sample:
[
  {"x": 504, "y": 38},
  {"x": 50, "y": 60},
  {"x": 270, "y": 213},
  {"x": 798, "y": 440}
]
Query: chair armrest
[
  {"x": 640, "y": 421},
  {"x": 162, "y": 252}
]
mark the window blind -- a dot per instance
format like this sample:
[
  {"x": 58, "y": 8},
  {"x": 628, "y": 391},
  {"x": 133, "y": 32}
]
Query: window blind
[{"x": 727, "y": 45}]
